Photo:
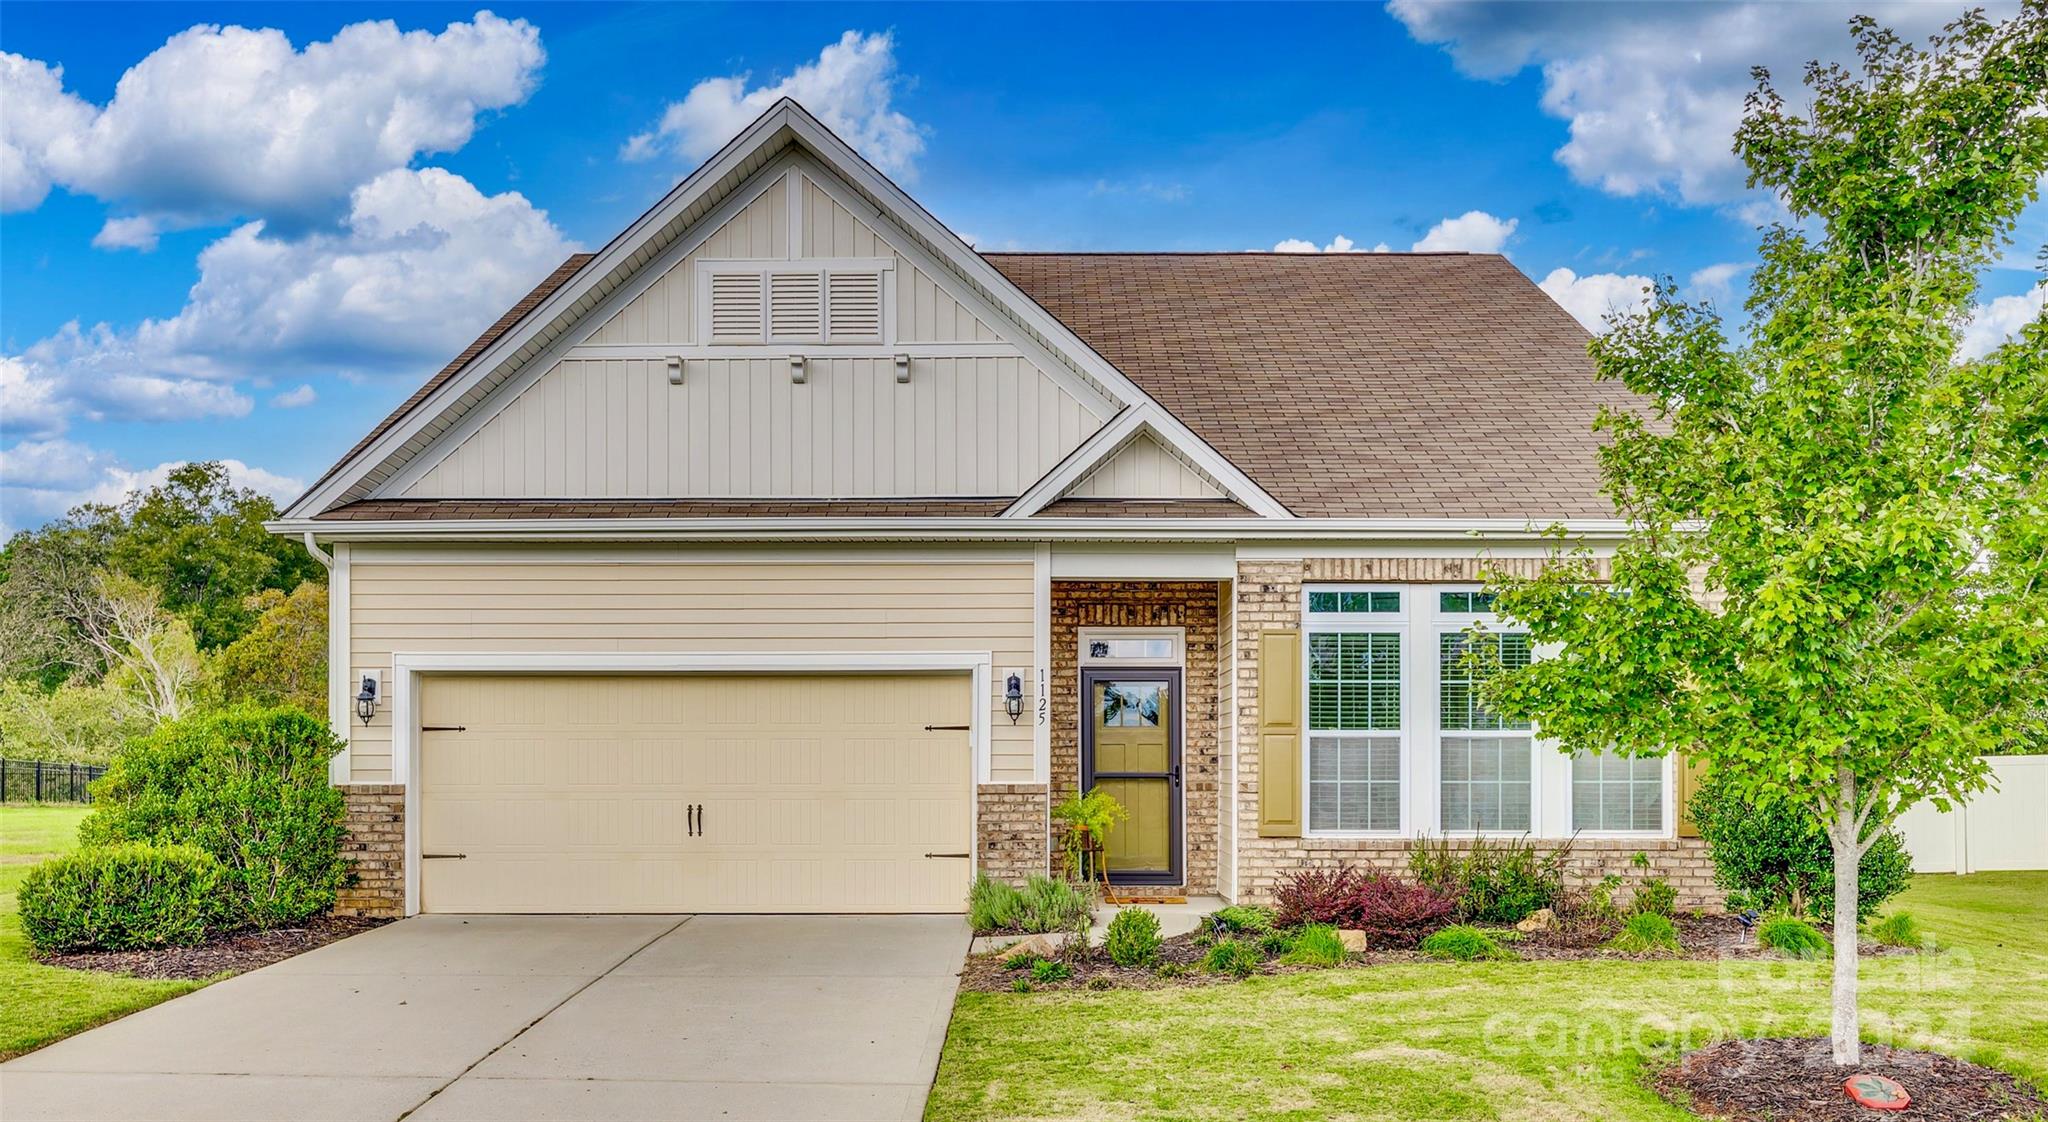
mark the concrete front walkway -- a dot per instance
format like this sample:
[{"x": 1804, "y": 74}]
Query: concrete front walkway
[{"x": 554, "y": 1017}]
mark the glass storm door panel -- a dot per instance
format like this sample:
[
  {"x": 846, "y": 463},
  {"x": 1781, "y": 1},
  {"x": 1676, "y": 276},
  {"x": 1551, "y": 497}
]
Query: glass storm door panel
[{"x": 1132, "y": 751}]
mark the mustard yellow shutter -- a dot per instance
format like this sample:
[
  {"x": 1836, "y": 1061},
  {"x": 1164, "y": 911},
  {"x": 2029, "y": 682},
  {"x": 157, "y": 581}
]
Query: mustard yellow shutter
[
  {"x": 1690, "y": 770},
  {"x": 1280, "y": 734}
]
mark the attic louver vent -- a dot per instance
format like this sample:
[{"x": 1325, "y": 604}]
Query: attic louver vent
[
  {"x": 796, "y": 308},
  {"x": 856, "y": 307},
  {"x": 736, "y": 307}
]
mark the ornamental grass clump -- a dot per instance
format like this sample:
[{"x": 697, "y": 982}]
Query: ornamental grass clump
[
  {"x": 1232, "y": 956},
  {"x": 1315, "y": 945},
  {"x": 1646, "y": 933},
  {"x": 1242, "y": 919},
  {"x": 1899, "y": 929},
  {"x": 1794, "y": 937},
  {"x": 1463, "y": 943},
  {"x": 1050, "y": 904}
]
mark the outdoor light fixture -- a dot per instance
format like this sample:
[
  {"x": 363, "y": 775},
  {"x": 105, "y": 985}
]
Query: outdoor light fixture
[
  {"x": 675, "y": 370},
  {"x": 796, "y": 369},
  {"x": 1013, "y": 698},
  {"x": 366, "y": 701},
  {"x": 903, "y": 368}
]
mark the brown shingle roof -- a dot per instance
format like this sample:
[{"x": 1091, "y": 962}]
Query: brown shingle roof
[
  {"x": 411, "y": 510},
  {"x": 1352, "y": 385}
]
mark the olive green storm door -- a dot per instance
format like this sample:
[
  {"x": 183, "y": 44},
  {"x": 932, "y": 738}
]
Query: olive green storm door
[{"x": 1130, "y": 747}]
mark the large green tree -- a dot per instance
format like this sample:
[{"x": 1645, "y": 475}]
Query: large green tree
[{"x": 1835, "y": 593}]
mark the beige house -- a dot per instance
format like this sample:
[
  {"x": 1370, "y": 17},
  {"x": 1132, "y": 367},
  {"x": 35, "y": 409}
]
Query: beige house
[{"x": 787, "y": 554}]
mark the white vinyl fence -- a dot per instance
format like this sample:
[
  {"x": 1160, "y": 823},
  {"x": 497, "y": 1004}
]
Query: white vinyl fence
[{"x": 2002, "y": 828}]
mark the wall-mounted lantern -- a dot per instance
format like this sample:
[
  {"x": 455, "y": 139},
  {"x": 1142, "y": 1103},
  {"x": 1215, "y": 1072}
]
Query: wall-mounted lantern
[
  {"x": 366, "y": 699},
  {"x": 903, "y": 368},
  {"x": 1013, "y": 698},
  {"x": 675, "y": 370},
  {"x": 796, "y": 369}
]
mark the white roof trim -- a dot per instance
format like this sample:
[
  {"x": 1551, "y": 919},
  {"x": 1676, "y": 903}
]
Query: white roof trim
[{"x": 1111, "y": 438}]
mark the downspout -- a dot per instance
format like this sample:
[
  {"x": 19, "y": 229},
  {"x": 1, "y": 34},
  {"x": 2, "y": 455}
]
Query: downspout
[{"x": 319, "y": 555}]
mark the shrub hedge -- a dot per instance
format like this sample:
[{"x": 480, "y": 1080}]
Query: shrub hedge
[
  {"x": 1776, "y": 857},
  {"x": 249, "y": 786},
  {"x": 124, "y": 897}
]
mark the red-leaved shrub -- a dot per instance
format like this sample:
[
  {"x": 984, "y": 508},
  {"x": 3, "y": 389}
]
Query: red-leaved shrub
[
  {"x": 1316, "y": 896},
  {"x": 1392, "y": 913},
  {"x": 1395, "y": 913}
]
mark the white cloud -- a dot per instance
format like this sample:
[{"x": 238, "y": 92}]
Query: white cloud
[
  {"x": 41, "y": 479},
  {"x": 1591, "y": 299},
  {"x": 1715, "y": 283},
  {"x": 227, "y": 122},
  {"x": 298, "y": 398},
  {"x": 423, "y": 262},
  {"x": 1474, "y": 231},
  {"x": 1652, "y": 92},
  {"x": 849, "y": 87},
  {"x": 1992, "y": 324}
]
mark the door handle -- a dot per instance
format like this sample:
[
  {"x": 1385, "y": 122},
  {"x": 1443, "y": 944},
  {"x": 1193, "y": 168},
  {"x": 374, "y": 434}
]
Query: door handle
[
  {"x": 1175, "y": 775},
  {"x": 693, "y": 819}
]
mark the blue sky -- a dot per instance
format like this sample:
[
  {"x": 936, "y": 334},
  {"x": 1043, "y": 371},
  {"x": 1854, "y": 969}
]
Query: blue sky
[{"x": 249, "y": 244}]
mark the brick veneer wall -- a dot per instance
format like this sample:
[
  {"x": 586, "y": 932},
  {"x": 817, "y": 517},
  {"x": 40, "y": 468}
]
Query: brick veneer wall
[
  {"x": 1190, "y": 605},
  {"x": 1269, "y": 596},
  {"x": 1010, "y": 821},
  {"x": 375, "y": 847}
]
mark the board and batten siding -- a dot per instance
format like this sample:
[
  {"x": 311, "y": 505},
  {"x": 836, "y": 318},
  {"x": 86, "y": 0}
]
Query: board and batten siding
[
  {"x": 1144, "y": 469},
  {"x": 739, "y": 428},
  {"x": 793, "y": 607}
]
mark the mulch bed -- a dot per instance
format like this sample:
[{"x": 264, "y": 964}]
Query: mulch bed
[
  {"x": 223, "y": 954},
  {"x": 1782, "y": 1079},
  {"x": 1709, "y": 937}
]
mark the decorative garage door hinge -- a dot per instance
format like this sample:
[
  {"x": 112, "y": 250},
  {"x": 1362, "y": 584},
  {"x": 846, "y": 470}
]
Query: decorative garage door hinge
[
  {"x": 443, "y": 856},
  {"x": 947, "y": 728},
  {"x": 949, "y": 855},
  {"x": 442, "y": 728}
]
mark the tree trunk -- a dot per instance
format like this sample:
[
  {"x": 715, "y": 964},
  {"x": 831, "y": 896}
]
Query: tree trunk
[{"x": 1847, "y": 1037}]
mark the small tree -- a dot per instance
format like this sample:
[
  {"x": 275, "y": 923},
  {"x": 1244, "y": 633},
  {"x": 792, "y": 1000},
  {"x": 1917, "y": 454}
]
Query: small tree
[
  {"x": 283, "y": 659},
  {"x": 1835, "y": 591},
  {"x": 149, "y": 653}
]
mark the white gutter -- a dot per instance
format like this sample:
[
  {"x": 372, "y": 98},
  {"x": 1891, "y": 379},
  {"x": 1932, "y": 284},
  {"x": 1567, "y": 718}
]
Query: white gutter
[
  {"x": 320, "y": 555},
  {"x": 940, "y": 529}
]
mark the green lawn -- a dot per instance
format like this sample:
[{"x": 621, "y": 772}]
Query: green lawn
[
  {"x": 1534, "y": 1041},
  {"x": 39, "y": 1004}
]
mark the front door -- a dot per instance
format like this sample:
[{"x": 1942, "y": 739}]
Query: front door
[{"x": 1131, "y": 749}]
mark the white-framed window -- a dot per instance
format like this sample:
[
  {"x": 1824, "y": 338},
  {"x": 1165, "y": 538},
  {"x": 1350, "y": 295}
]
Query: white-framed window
[
  {"x": 1357, "y": 702},
  {"x": 1486, "y": 769},
  {"x": 814, "y": 301},
  {"x": 1612, "y": 793},
  {"x": 1131, "y": 646}
]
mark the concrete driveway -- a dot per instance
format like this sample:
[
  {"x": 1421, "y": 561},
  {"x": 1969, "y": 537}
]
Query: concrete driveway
[{"x": 555, "y": 1017}]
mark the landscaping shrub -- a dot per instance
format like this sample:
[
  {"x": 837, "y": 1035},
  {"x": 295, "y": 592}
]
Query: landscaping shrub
[
  {"x": 247, "y": 785},
  {"x": 1276, "y": 942},
  {"x": 1492, "y": 882},
  {"x": 993, "y": 905},
  {"x": 1316, "y": 945},
  {"x": 121, "y": 898},
  {"x": 1655, "y": 897},
  {"x": 1132, "y": 938},
  {"x": 1051, "y": 904},
  {"x": 1792, "y": 936},
  {"x": 1466, "y": 944},
  {"x": 1021, "y": 985},
  {"x": 1778, "y": 857},
  {"x": 1316, "y": 896},
  {"x": 1395, "y": 913},
  {"x": 1243, "y": 919},
  {"x": 1898, "y": 930},
  {"x": 1049, "y": 970},
  {"x": 1232, "y": 956},
  {"x": 1021, "y": 961},
  {"x": 1646, "y": 933},
  {"x": 1173, "y": 970}
]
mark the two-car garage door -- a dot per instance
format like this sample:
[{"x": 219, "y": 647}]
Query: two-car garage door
[{"x": 694, "y": 793}]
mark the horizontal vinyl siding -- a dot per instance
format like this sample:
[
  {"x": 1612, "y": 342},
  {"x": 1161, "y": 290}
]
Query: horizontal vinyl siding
[
  {"x": 789, "y": 607},
  {"x": 1143, "y": 469},
  {"x": 740, "y": 428}
]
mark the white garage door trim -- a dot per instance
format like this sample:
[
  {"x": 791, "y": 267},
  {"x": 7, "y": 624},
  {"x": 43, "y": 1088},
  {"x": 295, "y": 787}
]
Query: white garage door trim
[{"x": 406, "y": 669}]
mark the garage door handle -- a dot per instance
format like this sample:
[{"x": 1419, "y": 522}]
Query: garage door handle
[
  {"x": 443, "y": 856},
  {"x": 962, "y": 855}
]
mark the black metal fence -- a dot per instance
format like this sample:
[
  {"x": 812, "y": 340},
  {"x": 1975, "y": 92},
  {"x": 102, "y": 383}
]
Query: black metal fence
[{"x": 24, "y": 781}]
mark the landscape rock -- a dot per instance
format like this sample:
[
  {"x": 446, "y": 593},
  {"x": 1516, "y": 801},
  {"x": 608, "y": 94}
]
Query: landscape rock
[
  {"x": 1354, "y": 941},
  {"x": 1542, "y": 919},
  {"x": 1037, "y": 945}
]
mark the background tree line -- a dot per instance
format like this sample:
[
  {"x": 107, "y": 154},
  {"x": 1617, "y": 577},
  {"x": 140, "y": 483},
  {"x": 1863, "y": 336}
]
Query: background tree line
[{"x": 117, "y": 618}]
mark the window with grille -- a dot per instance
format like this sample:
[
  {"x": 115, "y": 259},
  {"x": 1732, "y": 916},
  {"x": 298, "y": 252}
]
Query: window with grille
[
  {"x": 1355, "y": 743},
  {"x": 1487, "y": 782},
  {"x": 1615, "y": 792}
]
